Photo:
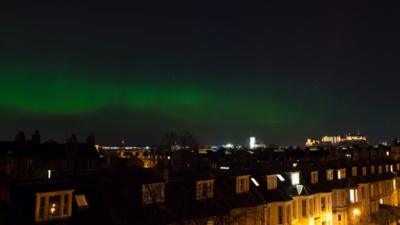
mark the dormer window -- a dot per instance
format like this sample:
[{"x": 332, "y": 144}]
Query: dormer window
[
  {"x": 387, "y": 168},
  {"x": 329, "y": 174},
  {"x": 242, "y": 184},
  {"x": 204, "y": 189},
  {"x": 295, "y": 178},
  {"x": 81, "y": 201},
  {"x": 53, "y": 205},
  {"x": 354, "y": 171},
  {"x": 272, "y": 182},
  {"x": 379, "y": 169},
  {"x": 314, "y": 177},
  {"x": 341, "y": 173},
  {"x": 372, "y": 169},
  {"x": 153, "y": 193},
  {"x": 391, "y": 168},
  {"x": 364, "y": 171}
]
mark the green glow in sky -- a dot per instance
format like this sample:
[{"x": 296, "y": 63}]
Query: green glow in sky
[{"x": 65, "y": 94}]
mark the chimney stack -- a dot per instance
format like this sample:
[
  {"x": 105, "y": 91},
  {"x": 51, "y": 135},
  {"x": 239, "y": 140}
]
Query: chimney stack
[{"x": 36, "y": 137}]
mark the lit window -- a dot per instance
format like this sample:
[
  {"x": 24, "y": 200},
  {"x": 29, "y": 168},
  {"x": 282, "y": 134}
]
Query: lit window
[
  {"x": 398, "y": 166},
  {"x": 204, "y": 189},
  {"x": 353, "y": 196},
  {"x": 153, "y": 193},
  {"x": 314, "y": 177},
  {"x": 391, "y": 168},
  {"x": 295, "y": 177},
  {"x": 354, "y": 171},
  {"x": 242, "y": 184},
  {"x": 81, "y": 201},
  {"x": 379, "y": 169},
  {"x": 372, "y": 169},
  {"x": 386, "y": 168},
  {"x": 53, "y": 205},
  {"x": 272, "y": 182},
  {"x": 329, "y": 174},
  {"x": 341, "y": 173},
  {"x": 364, "y": 171}
]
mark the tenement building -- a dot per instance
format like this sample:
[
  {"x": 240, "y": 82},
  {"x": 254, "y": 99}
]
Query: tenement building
[{"x": 73, "y": 183}]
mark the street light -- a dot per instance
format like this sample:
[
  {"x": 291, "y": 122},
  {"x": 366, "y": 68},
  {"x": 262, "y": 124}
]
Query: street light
[{"x": 356, "y": 212}]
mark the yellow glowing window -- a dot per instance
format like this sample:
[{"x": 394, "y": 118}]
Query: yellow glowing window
[
  {"x": 204, "y": 189},
  {"x": 81, "y": 201},
  {"x": 314, "y": 177},
  {"x": 242, "y": 184},
  {"x": 329, "y": 174},
  {"x": 53, "y": 205},
  {"x": 341, "y": 173},
  {"x": 272, "y": 182}
]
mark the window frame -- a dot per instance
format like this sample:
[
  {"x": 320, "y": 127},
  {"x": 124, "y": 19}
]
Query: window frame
[
  {"x": 330, "y": 175},
  {"x": 200, "y": 192},
  {"x": 153, "y": 193},
  {"x": 65, "y": 209},
  {"x": 242, "y": 187},
  {"x": 272, "y": 182},
  {"x": 341, "y": 173},
  {"x": 314, "y": 177}
]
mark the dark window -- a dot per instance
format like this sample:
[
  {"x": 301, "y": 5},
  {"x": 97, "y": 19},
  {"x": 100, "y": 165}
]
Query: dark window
[{"x": 304, "y": 208}]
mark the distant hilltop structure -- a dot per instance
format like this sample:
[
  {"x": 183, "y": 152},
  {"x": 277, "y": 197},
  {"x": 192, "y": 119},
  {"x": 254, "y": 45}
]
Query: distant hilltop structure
[
  {"x": 254, "y": 143},
  {"x": 336, "y": 140}
]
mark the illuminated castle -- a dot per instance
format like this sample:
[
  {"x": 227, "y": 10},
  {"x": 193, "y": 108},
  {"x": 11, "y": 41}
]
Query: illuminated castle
[{"x": 334, "y": 140}]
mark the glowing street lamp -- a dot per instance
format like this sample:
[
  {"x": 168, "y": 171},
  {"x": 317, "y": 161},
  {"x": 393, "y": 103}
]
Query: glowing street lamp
[{"x": 356, "y": 212}]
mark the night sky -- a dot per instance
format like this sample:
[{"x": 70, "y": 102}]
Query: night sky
[{"x": 224, "y": 70}]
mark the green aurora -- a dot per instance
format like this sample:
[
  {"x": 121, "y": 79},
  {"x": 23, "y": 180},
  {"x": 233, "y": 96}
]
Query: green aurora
[
  {"x": 160, "y": 104},
  {"x": 62, "y": 94}
]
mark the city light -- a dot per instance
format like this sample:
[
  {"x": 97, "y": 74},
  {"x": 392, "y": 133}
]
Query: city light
[
  {"x": 252, "y": 143},
  {"x": 255, "y": 182},
  {"x": 228, "y": 145},
  {"x": 280, "y": 177},
  {"x": 356, "y": 212}
]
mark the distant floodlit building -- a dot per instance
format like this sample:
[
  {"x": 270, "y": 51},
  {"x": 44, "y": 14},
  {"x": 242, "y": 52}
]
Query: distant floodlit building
[{"x": 335, "y": 140}]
